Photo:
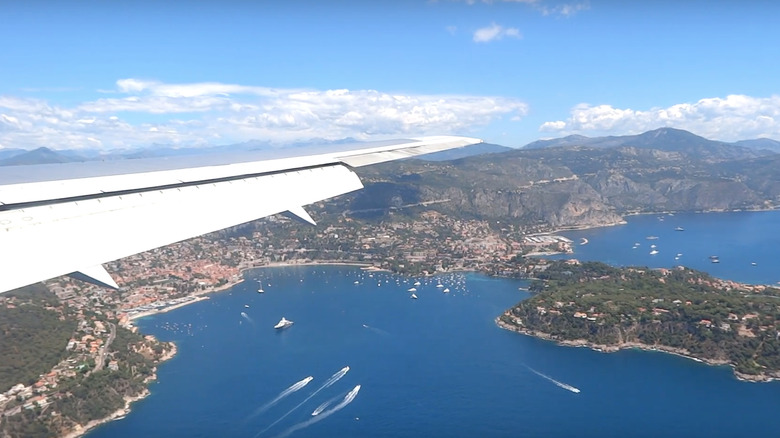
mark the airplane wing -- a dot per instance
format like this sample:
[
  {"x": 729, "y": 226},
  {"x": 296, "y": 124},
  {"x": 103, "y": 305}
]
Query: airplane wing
[{"x": 72, "y": 226}]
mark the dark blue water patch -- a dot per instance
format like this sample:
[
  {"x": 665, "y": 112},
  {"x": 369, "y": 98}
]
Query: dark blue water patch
[
  {"x": 437, "y": 366},
  {"x": 746, "y": 244}
]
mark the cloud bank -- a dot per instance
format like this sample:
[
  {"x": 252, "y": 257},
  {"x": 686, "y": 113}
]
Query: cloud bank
[
  {"x": 735, "y": 117},
  {"x": 139, "y": 113}
]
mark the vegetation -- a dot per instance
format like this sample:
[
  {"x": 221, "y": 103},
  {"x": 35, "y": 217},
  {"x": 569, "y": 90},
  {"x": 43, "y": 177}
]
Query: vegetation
[
  {"x": 681, "y": 309},
  {"x": 33, "y": 335}
]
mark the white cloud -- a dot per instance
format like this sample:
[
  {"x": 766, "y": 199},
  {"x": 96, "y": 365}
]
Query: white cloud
[
  {"x": 495, "y": 32},
  {"x": 143, "y": 112},
  {"x": 563, "y": 10},
  {"x": 734, "y": 117},
  {"x": 544, "y": 7}
]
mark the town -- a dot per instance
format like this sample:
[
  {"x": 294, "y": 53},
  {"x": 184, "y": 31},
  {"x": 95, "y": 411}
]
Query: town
[{"x": 166, "y": 278}]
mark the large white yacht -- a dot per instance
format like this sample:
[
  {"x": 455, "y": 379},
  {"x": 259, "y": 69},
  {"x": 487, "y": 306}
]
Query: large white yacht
[{"x": 283, "y": 323}]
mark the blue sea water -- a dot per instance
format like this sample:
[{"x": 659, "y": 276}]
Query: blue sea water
[
  {"x": 438, "y": 366},
  {"x": 738, "y": 239}
]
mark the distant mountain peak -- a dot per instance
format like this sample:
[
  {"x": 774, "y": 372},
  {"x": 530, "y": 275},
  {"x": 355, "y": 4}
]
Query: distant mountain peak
[
  {"x": 42, "y": 155},
  {"x": 666, "y": 139}
]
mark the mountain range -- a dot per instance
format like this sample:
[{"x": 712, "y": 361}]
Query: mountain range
[
  {"x": 670, "y": 140},
  {"x": 573, "y": 181},
  {"x": 577, "y": 181},
  {"x": 664, "y": 139}
]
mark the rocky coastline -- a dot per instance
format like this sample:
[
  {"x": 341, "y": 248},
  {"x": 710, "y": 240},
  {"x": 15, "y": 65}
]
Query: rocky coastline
[
  {"x": 612, "y": 348},
  {"x": 81, "y": 429}
]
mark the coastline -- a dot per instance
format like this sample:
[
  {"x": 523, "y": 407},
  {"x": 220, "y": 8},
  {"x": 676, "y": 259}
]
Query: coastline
[
  {"x": 602, "y": 348},
  {"x": 120, "y": 413},
  {"x": 81, "y": 430},
  {"x": 203, "y": 295}
]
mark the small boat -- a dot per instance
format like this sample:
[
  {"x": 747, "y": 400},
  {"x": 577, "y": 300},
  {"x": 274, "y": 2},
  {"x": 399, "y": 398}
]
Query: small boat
[
  {"x": 651, "y": 237},
  {"x": 260, "y": 290},
  {"x": 283, "y": 323},
  {"x": 679, "y": 229},
  {"x": 654, "y": 252},
  {"x": 412, "y": 289},
  {"x": 715, "y": 260},
  {"x": 439, "y": 285},
  {"x": 414, "y": 296},
  {"x": 246, "y": 305},
  {"x": 753, "y": 264},
  {"x": 446, "y": 290},
  {"x": 416, "y": 283}
]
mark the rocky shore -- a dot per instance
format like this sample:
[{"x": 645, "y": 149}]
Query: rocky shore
[
  {"x": 612, "y": 348},
  {"x": 80, "y": 430}
]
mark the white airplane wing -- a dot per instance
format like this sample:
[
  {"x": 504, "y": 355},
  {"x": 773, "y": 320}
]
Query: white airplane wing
[{"x": 72, "y": 226}]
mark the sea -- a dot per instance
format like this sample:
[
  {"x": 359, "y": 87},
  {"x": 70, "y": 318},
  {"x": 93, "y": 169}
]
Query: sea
[{"x": 437, "y": 365}]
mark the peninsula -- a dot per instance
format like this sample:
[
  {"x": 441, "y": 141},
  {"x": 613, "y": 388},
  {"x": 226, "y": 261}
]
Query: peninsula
[{"x": 680, "y": 311}]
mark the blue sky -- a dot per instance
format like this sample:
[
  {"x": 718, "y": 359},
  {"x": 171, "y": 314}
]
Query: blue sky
[{"x": 111, "y": 74}]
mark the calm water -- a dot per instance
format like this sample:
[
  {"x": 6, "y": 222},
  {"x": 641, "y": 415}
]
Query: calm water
[
  {"x": 438, "y": 366},
  {"x": 738, "y": 239}
]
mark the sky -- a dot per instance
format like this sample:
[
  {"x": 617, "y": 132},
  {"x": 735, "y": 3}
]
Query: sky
[{"x": 120, "y": 74}]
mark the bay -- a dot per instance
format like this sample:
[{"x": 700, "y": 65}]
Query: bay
[
  {"x": 738, "y": 239},
  {"x": 438, "y": 366}
]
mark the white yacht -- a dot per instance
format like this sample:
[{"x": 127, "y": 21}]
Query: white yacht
[
  {"x": 283, "y": 323},
  {"x": 414, "y": 296}
]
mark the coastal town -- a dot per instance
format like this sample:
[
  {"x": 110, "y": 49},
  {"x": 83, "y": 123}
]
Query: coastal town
[
  {"x": 180, "y": 274},
  {"x": 170, "y": 277}
]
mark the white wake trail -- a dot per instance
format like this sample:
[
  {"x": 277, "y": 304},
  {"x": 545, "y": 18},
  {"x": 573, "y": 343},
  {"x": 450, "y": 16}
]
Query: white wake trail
[
  {"x": 246, "y": 317},
  {"x": 333, "y": 379},
  {"x": 557, "y": 383},
  {"x": 295, "y": 387},
  {"x": 347, "y": 400},
  {"x": 322, "y": 407}
]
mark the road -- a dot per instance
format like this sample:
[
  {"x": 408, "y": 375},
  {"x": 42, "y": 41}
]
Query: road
[{"x": 100, "y": 361}]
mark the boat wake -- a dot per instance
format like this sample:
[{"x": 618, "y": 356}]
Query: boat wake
[
  {"x": 376, "y": 330},
  {"x": 322, "y": 407},
  {"x": 347, "y": 400},
  {"x": 246, "y": 317},
  {"x": 557, "y": 383},
  {"x": 333, "y": 379},
  {"x": 295, "y": 387}
]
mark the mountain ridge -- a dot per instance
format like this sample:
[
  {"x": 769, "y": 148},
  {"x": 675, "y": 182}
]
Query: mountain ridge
[{"x": 670, "y": 140}]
